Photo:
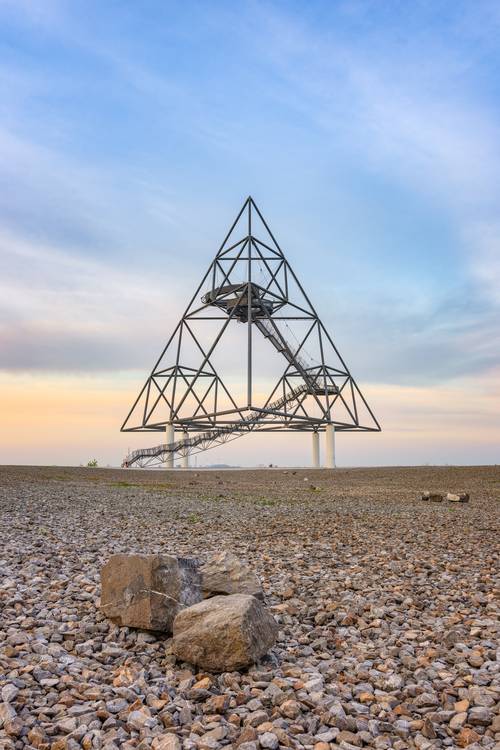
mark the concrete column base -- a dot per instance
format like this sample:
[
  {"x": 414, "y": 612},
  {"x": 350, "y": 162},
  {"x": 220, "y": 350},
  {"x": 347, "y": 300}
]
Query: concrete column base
[
  {"x": 169, "y": 438},
  {"x": 315, "y": 450},
  {"x": 330, "y": 446},
  {"x": 185, "y": 458}
]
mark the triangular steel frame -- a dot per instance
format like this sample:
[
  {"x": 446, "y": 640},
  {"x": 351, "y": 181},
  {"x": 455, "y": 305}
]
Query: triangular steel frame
[{"x": 190, "y": 397}]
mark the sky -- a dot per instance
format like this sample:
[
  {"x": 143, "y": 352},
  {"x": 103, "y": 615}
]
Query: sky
[{"x": 367, "y": 132}]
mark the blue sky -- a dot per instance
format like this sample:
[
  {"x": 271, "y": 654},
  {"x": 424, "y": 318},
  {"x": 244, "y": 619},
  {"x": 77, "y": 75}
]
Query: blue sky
[{"x": 367, "y": 132}]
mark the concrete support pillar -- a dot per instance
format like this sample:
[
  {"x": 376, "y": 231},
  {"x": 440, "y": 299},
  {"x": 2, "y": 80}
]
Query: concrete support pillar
[
  {"x": 185, "y": 458},
  {"x": 330, "y": 446},
  {"x": 315, "y": 450},
  {"x": 169, "y": 438}
]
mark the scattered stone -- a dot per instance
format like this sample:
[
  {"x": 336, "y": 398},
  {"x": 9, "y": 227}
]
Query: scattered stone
[
  {"x": 425, "y": 700},
  {"x": 248, "y": 734},
  {"x": 291, "y": 709},
  {"x": 224, "y": 573},
  {"x": 166, "y": 742},
  {"x": 480, "y": 716},
  {"x": 147, "y": 591},
  {"x": 7, "y": 713},
  {"x": 224, "y": 633},
  {"x": 269, "y": 741},
  {"x": 365, "y": 626},
  {"x": 467, "y": 737},
  {"x": 462, "y": 497},
  {"x": 433, "y": 497},
  {"x": 457, "y": 721},
  {"x": 9, "y": 693}
]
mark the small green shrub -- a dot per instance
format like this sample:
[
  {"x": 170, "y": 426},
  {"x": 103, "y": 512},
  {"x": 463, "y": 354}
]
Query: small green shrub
[{"x": 264, "y": 502}]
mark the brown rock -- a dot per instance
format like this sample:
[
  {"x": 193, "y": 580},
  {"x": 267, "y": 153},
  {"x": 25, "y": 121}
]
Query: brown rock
[
  {"x": 166, "y": 742},
  {"x": 14, "y": 727},
  {"x": 218, "y": 703},
  {"x": 350, "y": 619},
  {"x": 266, "y": 726},
  {"x": 435, "y": 498},
  {"x": 495, "y": 724},
  {"x": 147, "y": 591},
  {"x": 204, "y": 684},
  {"x": 366, "y": 697},
  {"x": 224, "y": 573},
  {"x": 7, "y": 713},
  {"x": 224, "y": 633},
  {"x": 457, "y": 721},
  {"x": 166, "y": 719},
  {"x": 290, "y": 709},
  {"x": 249, "y": 734},
  {"x": 428, "y": 729},
  {"x": 283, "y": 736},
  {"x": 466, "y": 737},
  {"x": 348, "y": 737},
  {"x": 37, "y": 737},
  {"x": 475, "y": 659}
]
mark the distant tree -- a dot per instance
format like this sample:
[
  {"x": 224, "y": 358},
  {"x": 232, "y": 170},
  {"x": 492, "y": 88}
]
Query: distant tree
[{"x": 92, "y": 463}]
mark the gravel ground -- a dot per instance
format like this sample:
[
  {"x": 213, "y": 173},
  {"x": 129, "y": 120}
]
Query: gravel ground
[{"x": 387, "y": 606}]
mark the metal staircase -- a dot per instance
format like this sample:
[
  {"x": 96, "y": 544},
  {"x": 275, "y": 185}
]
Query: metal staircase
[
  {"x": 282, "y": 345},
  {"x": 205, "y": 440}
]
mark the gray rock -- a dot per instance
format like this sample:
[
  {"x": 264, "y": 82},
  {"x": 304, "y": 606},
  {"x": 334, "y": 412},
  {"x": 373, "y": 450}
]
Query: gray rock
[
  {"x": 480, "y": 716},
  {"x": 268, "y": 740},
  {"x": 426, "y": 699},
  {"x": 7, "y": 713},
  {"x": 224, "y": 633},
  {"x": 224, "y": 573},
  {"x": 9, "y": 693},
  {"x": 137, "y": 719}
]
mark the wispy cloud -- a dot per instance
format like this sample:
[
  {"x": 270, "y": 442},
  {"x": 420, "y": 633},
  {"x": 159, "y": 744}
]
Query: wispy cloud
[
  {"x": 453, "y": 334},
  {"x": 405, "y": 106},
  {"x": 409, "y": 113},
  {"x": 60, "y": 198},
  {"x": 62, "y": 312}
]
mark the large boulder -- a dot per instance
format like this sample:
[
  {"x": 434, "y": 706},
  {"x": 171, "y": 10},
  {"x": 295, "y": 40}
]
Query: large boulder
[
  {"x": 224, "y": 633},
  {"x": 147, "y": 591},
  {"x": 224, "y": 573}
]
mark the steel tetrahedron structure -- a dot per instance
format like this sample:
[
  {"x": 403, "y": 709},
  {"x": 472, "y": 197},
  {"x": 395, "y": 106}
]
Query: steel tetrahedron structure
[{"x": 251, "y": 321}]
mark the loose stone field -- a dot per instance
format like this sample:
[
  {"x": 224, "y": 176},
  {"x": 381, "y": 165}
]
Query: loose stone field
[{"x": 387, "y": 609}]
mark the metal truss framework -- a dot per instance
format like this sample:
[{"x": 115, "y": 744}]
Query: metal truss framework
[{"x": 249, "y": 284}]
